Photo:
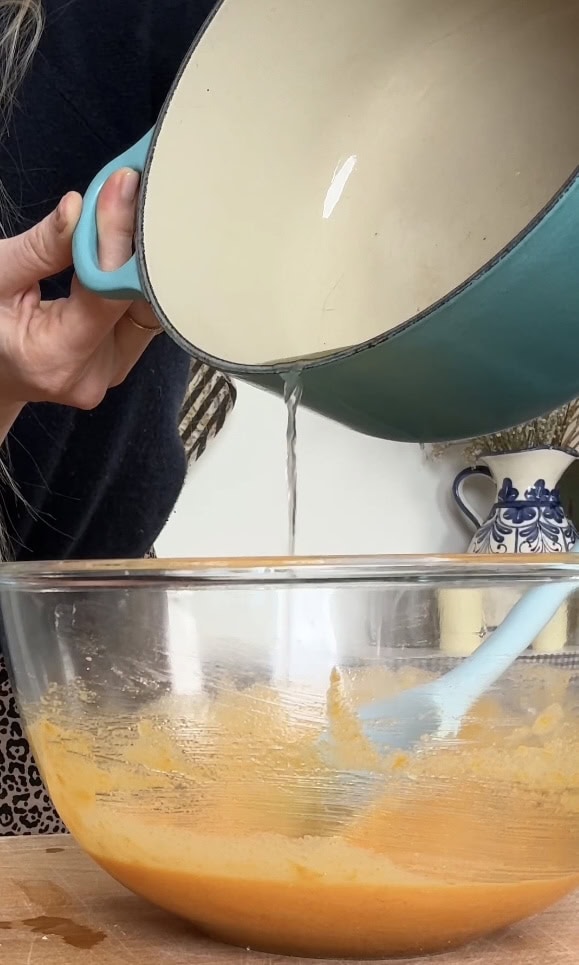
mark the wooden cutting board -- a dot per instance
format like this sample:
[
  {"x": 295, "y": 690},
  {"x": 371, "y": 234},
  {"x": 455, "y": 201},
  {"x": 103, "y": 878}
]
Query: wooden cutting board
[{"x": 58, "y": 908}]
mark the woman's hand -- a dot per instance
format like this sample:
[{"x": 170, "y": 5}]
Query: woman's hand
[{"x": 74, "y": 349}]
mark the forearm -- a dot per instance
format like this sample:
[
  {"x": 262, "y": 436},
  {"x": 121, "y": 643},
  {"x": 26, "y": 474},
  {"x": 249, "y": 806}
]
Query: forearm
[{"x": 8, "y": 415}]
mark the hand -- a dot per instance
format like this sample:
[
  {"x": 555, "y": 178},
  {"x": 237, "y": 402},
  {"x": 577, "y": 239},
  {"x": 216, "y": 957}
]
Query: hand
[{"x": 71, "y": 350}]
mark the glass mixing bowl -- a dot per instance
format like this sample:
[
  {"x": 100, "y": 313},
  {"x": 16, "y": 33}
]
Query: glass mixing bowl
[{"x": 176, "y": 710}]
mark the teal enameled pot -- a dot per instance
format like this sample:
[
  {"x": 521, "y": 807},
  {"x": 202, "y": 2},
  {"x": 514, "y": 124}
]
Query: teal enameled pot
[{"x": 384, "y": 192}]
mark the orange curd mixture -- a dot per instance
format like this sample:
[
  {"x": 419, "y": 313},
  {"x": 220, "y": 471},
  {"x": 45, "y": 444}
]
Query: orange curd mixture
[{"x": 229, "y": 812}]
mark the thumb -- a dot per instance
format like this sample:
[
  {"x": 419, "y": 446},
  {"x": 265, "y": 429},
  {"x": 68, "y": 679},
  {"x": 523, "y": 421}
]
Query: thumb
[{"x": 43, "y": 250}]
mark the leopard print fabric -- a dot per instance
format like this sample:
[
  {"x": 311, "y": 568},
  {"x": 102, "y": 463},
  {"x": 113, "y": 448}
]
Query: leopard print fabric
[{"x": 25, "y": 805}]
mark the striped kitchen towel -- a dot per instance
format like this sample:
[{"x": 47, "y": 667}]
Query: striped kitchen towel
[{"x": 209, "y": 400}]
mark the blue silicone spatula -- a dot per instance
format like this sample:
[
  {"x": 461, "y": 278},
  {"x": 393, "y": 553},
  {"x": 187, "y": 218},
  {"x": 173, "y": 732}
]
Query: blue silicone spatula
[{"x": 438, "y": 709}]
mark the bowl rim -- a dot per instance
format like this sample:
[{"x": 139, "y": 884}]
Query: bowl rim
[{"x": 408, "y": 569}]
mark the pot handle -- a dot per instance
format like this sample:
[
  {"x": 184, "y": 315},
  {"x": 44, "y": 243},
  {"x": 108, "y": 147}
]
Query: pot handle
[
  {"x": 124, "y": 283},
  {"x": 457, "y": 488}
]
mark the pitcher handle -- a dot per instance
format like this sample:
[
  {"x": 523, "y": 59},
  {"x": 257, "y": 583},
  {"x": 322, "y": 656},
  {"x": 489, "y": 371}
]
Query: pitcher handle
[
  {"x": 457, "y": 492},
  {"x": 125, "y": 282}
]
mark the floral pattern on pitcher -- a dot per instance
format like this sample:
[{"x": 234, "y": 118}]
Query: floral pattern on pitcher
[
  {"x": 533, "y": 523},
  {"x": 527, "y": 515}
]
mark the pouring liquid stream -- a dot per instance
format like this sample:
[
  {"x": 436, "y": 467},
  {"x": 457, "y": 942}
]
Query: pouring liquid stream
[{"x": 292, "y": 395}]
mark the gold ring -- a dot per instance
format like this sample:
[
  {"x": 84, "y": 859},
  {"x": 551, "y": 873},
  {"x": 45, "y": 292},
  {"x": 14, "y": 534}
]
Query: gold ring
[{"x": 152, "y": 330}]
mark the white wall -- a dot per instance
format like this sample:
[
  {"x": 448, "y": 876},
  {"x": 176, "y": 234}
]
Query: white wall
[{"x": 355, "y": 494}]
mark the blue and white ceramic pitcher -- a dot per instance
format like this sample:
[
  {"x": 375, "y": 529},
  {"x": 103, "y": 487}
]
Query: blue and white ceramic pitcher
[{"x": 527, "y": 515}]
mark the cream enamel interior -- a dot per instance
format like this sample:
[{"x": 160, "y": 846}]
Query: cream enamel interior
[{"x": 328, "y": 169}]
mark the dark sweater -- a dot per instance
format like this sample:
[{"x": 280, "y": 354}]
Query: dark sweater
[{"x": 102, "y": 483}]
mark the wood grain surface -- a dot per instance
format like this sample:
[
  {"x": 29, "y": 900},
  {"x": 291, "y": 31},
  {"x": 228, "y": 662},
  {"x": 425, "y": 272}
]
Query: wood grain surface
[{"x": 58, "y": 908}]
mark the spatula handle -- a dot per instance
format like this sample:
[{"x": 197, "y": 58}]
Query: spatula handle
[{"x": 529, "y": 616}]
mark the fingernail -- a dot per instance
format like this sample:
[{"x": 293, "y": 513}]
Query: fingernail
[{"x": 129, "y": 185}]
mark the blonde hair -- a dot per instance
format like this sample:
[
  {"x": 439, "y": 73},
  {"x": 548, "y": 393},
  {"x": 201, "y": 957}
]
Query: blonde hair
[{"x": 21, "y": 23}]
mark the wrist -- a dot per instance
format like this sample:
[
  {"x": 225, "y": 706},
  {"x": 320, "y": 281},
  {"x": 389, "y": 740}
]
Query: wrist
[{"x": 9, "y": 412}]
